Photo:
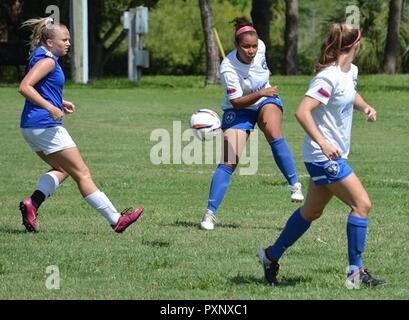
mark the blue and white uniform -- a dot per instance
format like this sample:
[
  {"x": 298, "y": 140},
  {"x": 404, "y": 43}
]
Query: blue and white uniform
[
  {"x": 336, "y": 90},
  {"x": 240, "y": 79},
  {"x": 39, "y": 129},
  {"x": 50, "y": 88}
]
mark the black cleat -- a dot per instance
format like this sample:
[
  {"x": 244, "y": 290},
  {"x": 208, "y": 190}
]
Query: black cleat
[
  {"x": 270, "y": 268},
  {"x": 368, "y": 280}
]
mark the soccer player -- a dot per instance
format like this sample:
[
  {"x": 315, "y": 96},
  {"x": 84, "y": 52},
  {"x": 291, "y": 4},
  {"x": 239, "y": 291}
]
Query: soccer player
[
  {"x": 41, "y": 127},
  {"x": 325, "y": 113},
  {"x": 249, "y": 99}
]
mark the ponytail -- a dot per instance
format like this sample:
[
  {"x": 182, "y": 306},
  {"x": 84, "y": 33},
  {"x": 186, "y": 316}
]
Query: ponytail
[
  {"x": 42, "y": 31},
  {"x": 341, "y": 38}
]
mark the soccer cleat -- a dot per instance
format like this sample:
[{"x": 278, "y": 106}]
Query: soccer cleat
[
  {"x": 208, "y": 220},
  {"x": 126, "y": 219},
  {"x": 29, "y": 214},
  {"x": 367, "y": 279},
  {"x": 270, "y": 268},
  {"x": 296, "y": 192}
]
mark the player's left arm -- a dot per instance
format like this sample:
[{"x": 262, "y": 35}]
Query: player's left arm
[
  {"x": 361, "y": 105},
  {"x": 68, "y": 107}
]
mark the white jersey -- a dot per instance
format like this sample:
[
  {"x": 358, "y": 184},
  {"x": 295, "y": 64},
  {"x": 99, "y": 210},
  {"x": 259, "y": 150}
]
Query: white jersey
[
  {"x": 336, "y": 90},
  {"x": 240, "y": 79}
]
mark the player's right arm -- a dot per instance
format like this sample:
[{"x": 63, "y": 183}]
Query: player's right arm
[
  {"x": 234, "y": 91},
  {"x": 248, "y": 100},
  {"x": 304, "y": 116},
  {"x": 40, "y": 70}
]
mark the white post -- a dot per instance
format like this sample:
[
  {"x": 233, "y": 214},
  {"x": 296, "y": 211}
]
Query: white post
[
  {"x": 79, "y": 39},
  {"x": 132, "y": 41},
  {"x": 136, "y": 22}
]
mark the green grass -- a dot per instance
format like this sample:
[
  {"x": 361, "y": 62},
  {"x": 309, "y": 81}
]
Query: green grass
[{"x": 165, "y": 255}]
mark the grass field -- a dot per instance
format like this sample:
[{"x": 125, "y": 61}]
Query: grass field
[{"x": 165, "y": 255}]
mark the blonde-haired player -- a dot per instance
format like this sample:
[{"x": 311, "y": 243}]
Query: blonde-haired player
[{"x": 41, "y": 126}]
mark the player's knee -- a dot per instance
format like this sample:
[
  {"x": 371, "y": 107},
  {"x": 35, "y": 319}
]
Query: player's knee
[
  {"x": 311, "y": 215},
  {"x": 362, "y": 207},
  {"x": 272, "y": 134},
  {"x": 83, "y": 175}
]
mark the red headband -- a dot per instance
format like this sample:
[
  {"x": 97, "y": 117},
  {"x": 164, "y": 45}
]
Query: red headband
[
  {"x": 355, "y": 42},
  {"x": 245, "y": 29}
]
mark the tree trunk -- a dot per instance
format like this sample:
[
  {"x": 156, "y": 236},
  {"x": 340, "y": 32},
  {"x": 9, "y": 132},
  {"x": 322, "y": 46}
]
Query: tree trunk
[
  {"x": 261, "y": 14},
  {"x": 392, "y": 38},
  {"x": 96, "y": 45},
  {"x": 212, "y": 56},
  {"x": 291, "y": 37}
]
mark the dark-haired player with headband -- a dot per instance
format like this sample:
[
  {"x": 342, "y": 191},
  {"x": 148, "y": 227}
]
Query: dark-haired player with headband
[{"x": 249, "y": 99}]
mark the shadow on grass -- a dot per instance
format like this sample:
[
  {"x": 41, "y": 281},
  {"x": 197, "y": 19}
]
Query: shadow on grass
[
  {"x": 284, "y": 282},
  {"x": 156, "y": 243},
  {"x": 275, "y": 183},
  {"x": 196, "y": 225},
  {"x": 14, "y": 231}
]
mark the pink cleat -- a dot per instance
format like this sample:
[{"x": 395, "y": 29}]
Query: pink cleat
[
  {"x": 29, "y": 214},
  {"x": 126, "y": 219}
]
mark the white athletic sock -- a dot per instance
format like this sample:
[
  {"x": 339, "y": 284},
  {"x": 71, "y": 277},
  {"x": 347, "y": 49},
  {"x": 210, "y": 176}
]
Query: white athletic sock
[
  {"x": 47, "y": 184},
  {"x": 99, "y": 201}
]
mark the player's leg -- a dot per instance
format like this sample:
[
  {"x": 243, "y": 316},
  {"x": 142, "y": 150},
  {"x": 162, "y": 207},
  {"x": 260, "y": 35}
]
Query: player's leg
[
  {"x": 49, "y": 182},
  {"x": 270, "y": 121},
  {"x": 46, "y": 186},
  {"x": 351, "y": 191},
  {"x": 298, "y": 223},
  {"x": 72, "y": 163},
  {"x": 39, "y": 140},
  {"x": 234, "y": 141}
]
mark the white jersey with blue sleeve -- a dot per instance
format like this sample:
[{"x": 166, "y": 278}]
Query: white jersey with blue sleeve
[
  {"x": 240, "y": 79},
  {"x": 336, "y": 90}
]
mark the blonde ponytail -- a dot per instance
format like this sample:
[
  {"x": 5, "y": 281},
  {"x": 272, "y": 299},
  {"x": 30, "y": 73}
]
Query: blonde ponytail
[{"x": 42, "y": 31}]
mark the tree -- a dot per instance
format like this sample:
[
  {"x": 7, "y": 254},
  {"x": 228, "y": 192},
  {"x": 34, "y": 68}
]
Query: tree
[
  {"x": 392, "y": 38},
  {"x": 212, "y": 56},
  {"x": 10, "y": 19},
  {"x": 261, "y": 15},
  {"x": 291, "y": 37}
]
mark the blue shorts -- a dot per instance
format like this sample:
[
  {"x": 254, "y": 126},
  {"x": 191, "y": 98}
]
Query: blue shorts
[
  {"x": 327, "y": 172},
  {"x": 246, "y": 119}
]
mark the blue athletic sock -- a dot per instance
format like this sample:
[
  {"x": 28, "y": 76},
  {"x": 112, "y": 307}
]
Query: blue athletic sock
[
  {"x": 294, "y": 229},
  {"x": 220, "y": 183},
  {"x": 356, "y": 234},
  {"x": 284, "y": 159}
]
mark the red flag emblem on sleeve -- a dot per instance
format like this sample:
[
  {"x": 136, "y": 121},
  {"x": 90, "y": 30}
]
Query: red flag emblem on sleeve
[
  {"x": 324, "y": 93},
  {"x": 231, "y": 90}
]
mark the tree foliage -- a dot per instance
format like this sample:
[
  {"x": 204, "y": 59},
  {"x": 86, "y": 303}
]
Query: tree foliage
[{"x": 176, "y": 41}]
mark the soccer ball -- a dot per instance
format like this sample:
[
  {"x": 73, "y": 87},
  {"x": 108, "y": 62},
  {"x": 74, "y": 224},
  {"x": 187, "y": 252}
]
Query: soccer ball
[{"x": 205, "y": 124}]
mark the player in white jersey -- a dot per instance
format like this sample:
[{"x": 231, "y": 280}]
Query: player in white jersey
[
  {"x": 249, "y": 99},
  {"x": 325, "y": 113}
]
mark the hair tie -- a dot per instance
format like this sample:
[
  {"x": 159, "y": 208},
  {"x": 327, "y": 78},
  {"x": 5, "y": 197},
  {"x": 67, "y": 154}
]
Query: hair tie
[
  {"x": 245, "y": 29},
  {"x": 353, "y": 43}
]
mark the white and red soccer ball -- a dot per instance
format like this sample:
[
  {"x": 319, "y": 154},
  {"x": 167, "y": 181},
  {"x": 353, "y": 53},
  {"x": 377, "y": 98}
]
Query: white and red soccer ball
[{"x": 205, "y": 124}]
